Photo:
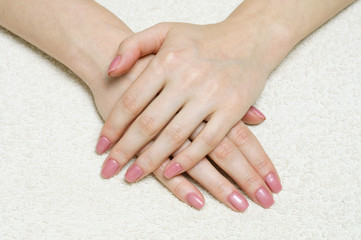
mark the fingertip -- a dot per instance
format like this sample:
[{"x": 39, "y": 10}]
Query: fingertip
[
  {"x": 273, "y": 183},
  {"x": 102, "y": 145},
  {"x": 173, "y": 170},
  {"x": 114, "y": 65},
  {"x": 253, "y": 116},
  {"x": 133, "y": 174},
  {"x": 258, "y": 112},
  {"x": 110, "y": 168},
  {"x": 195, "y": 201}
]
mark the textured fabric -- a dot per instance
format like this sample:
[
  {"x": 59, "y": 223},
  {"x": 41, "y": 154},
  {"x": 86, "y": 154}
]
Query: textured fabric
[{"x": 49, "y": 172}]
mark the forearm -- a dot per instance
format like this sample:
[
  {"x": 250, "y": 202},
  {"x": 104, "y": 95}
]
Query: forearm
[
  {"x": 80, "y": 33},
  {"x": 281, "y": 24}
]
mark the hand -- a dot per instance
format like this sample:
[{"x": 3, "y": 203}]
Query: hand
[
  {"x": 240, "y": 153},
  {"x": 197, "y": 75}
]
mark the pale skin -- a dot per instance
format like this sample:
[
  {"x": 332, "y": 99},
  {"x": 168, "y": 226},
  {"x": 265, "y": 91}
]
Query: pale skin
[
  {"x": 210, "y": 73},
  {"x": 84, "y": 36}
]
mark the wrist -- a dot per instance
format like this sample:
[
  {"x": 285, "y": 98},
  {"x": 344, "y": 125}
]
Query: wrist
[
  {"x": 91, "y": 52},
  {"x": 259, "y": 26},
  {"x": 90, "y": 61}
]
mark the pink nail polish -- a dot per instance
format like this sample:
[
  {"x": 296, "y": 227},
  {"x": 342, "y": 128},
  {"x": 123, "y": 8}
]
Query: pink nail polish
[
  {"x": 133, "y": 173},
  {"x": 173, "y": 170},
  {"x": 102, "y": 145},
  {"x": 238, "y": 201},
  {"x": 110, "y": 168},
  {"x": 264, "y": 198},
  {"x": 195, "y": 201},
  {"x": 273, "y": 183},
  {"x": 114, "y": 65},
  {"x": 258, "y": 112}
]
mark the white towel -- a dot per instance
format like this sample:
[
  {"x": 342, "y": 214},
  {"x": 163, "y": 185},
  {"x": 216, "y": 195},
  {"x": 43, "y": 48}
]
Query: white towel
[{"x": 49, "y": 172}]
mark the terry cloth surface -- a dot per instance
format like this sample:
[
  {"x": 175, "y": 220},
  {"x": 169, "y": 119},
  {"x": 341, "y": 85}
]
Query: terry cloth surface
[{"x": 49, "y": 172}]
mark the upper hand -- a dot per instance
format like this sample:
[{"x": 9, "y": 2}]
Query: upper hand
[
  {"x": 197, "y": 75},
  {"x": 240, "y": 151}
]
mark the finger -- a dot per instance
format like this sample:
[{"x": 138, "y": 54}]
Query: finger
[
  {"x": 219, "y": 186},
  {"x": 253, "y": 151},
  {"x": 136, "y": 46},
  {"x": 143, "y": 130},
  {"x": 170, "y": 139},
  {"x": 181, "y": 188},
  {"x": 206, "y": 141},
  {"x": 128, "y": 107},
  {"x": 253, "y": 116},
  {"x": 231, "y": 160}
]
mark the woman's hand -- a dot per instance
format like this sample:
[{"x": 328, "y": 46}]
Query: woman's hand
[
  {"x": 200, "y": 73},
  {"x": 240, "y": 155}
]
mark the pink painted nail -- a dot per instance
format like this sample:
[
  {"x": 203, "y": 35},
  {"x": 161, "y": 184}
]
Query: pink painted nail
[
  {"x": 114, "y": 65},
  {"x": 264, "y": 198},
  {"x": 102, "y": 145},
  {"x": 258, "y": 112},
  {"x": 273, "y": 183},
  {"x": 173, "y": 170},
  {"x": 238, "y": 201},
  {"x": 195, "y": 201},
  {"x": 110, "y": 168},
  {"x": 133, "y": 173}
]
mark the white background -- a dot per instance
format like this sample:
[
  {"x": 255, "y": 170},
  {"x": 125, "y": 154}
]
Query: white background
[{"x": 49, "y": 172}]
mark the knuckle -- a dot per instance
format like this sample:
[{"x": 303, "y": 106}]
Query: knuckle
[
  {"x": 210, "y": 139},
  {"x": 242, "y": 135},
  {"x": 262, "y": 165},
  {"x": 178, "y": 188},
  {"x": 110, "y": 130},
  {"x": 129, "y": 103},
  {"x": 126, "y": 42},
  {"x": 175, "y": 134},
  {"x": 187, "y": 160},
  {"x": 251, "y": 181},
  {"x": 172, "y": 58},
  {"x": 147, "y": 124},
  {"x": 149, "y": 164},
  {"x": 223, "y": 150},
  {"x": 121, "y": 155},
  {"x": 221, "y": 187}
]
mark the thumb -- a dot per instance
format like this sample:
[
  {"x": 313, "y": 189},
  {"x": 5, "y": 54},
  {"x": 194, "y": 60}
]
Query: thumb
[{"x": 136, "y": 46}]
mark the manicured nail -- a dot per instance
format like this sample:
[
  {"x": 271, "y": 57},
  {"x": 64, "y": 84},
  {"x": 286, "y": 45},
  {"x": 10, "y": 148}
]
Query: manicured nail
[
  {"x": 133, "y": 173},
  {"x": 258, "y": 112},
  {"x": 110, "y": 168},
  {"x": 102, "y": 145},
  {"x": 238, "y": 201},
  {"x": 273, "y": 183},
  {"x": 264, "y": 198},
  {"x": 114, "y": 65},
  {"x": 195, "y": 201},
  {"x": 173, "y": 170}
]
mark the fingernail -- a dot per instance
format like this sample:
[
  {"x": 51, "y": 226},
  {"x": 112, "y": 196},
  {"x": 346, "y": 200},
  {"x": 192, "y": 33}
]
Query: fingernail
[
  {"x": 195, "y": 201},
  {"x": 264, "y": 198},
  {"x": 238, "y": 201},
  {"x": 173, "y": 170},
  {"x": 133, "y": 173},
  {"x": 110, "y": 168},
  {"x": 114, "y": 65},
  {"x": 273, "y": 183},
  {"x": 102, "y": 145},
  {"x": 258, "y": 112}
]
